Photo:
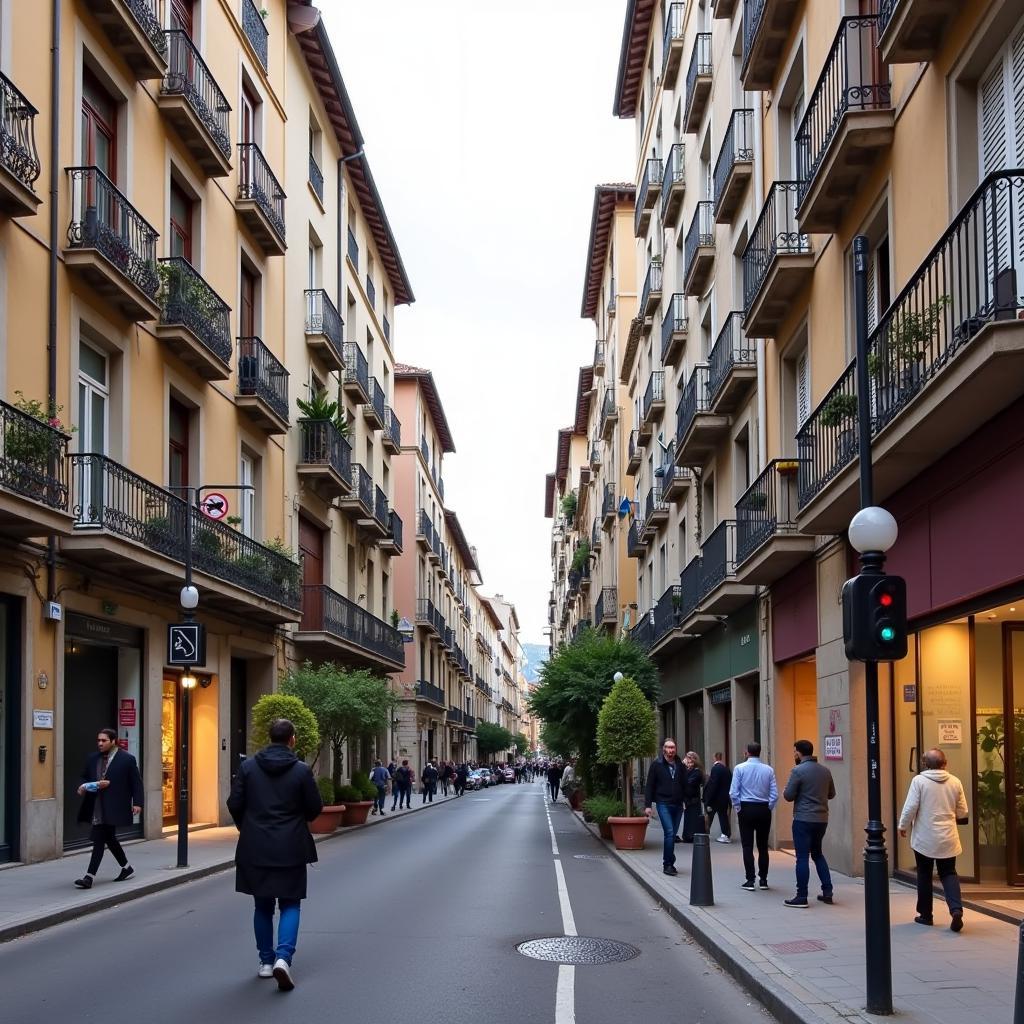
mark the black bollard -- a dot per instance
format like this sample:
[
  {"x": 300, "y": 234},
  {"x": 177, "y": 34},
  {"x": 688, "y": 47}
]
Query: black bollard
[
  {"x": 702, "y": 889},
  {"x": 1018, "y": 1002}
]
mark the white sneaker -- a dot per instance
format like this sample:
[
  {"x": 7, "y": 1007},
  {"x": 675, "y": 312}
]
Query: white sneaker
[
  {"x": 723, "y": 839},
  {"x": 283, "y": 972},
  {"x": 265, "y": 971}
]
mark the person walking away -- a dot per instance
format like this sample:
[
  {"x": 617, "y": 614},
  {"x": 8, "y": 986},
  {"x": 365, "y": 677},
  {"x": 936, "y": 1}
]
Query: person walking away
[
  {"x": 380, "y": 778},
  {"x": 461, "y": 777},
  {"x": 273, "y": 798},
  {"x": 693, "y": 818},
  {"x": 401, "y": 790},
  {"x": 429, "y": 778},
  {"x": 666, "y": 790},
  {"x": 809, "y": 789},
  {"x": 111, "y": 793},
  {"x": 935, "y": 805},
  {"x": 716, "y": 798},
  {"x": 754, "y": 793},
  {"x": 554, "y": 780}
]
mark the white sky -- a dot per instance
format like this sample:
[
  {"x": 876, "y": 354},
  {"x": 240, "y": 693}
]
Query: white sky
[{"x": 487, "y": 125}]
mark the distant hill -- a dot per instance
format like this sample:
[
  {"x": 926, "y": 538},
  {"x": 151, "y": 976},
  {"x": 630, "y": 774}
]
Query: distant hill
[{"x": 536, "y": 655}]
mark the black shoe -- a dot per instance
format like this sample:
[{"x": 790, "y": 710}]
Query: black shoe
[
  {"x": 126, "y": 872},
  {"x": 670, "y": 870},
  {"x": 923, "y": 920},
  {"x": 382, "y": 810},
  {"x": 749, "y": 886},
  {"x": 957, "y": 923},
  {"x": 763, "y": 884},
  {"x": 85, "y": 882},
  {"x": 825, "y": 899},
  {"x": 677, "y": 840},
  {"x": 797, "y": 903}
]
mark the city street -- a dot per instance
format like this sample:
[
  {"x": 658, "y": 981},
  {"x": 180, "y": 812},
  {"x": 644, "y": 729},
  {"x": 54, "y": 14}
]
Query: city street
[{"x": 415, "y": 921}]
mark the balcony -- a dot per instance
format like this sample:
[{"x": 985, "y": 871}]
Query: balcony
[
  {"x": 672, "y": 45},
  {"x": 849, "y": 121},
  {"x": 256, "y": 31},
  {"x": 650, "y": 296},
  {"x": 699, "y": 249},
  {"x": 655, "y": 512},
  {"x": 673, "y": 184},
  {"x": 635, "y": 547},
  {"x": 596, "y": 535},
  {"x": 392, "y": 539},
  {"x": 723, "y": 8},
  {"x": 19, "y": 159},
  {"x": 335, "y": 628},
  {"x": 357, "y": 504},
  {"x": 380, "y": 527},
  {"x": 777, "y": 263},
  {"x": 609, "y": 414},
  {"x": 424, "y": 531},
  {"x": 33, "y": 475},
  {"x": 262, "y": 386},
  {"x": 595, "y": 452},
  {"x": 698, "y": 82},
  {"x": 642, "y": 634},
  {"x": 192, "y": 102},
  {"x": 675, "y": 480},
  {"x": 665, "y": 615},
  {"x": 324, "y": 328},
  {"x": 392, "y": 436},
  {"x": 585, "y": 578},
  {"x": 720, "y": 592},
  {"x": 768, "y": 543},
  {"x": 136, "y": 32},
  {"x": 130, "y": 527},
  {"x": 689, "y": 591},
  {"x": 373, "y": 411},
  {"x": 606, "y": 610},
  {"x": 653, "y": 404},
  {"x": 425, "y": 613},
  {"x": 766, "y": 25},
  {"x": 325, "y": 458},
  {"x": 734, "y": 165},
  {"x": 647, "y": 195},
  {"x": 732, "y": 367},
  {"x": 598, "y": 358},
  {"x": 946, "y": 357},
  {"x": 434, "y": 554},
  {"x": 609, "y": 506},
  {"x": 195, "y": 322},
  {"x": 637, "y": 331},
  {"x": 455, "y": 716},
  {"x": 636, "y": 453},
  {"x": 913, "y": 30},
  {"x": 430, "y": 693},
  {"x": 110, "y": 246},
  {"x": 260, "y": 202},
  {"x": 356, "y": 377},
  {"x": 698, "y": 430},
  {"x": 674, "y": 329}
]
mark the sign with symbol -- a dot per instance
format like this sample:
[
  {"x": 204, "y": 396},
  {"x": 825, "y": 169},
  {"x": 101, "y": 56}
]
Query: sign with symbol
[
  {"x": 186, "y": 644},
  {"x": 214, "y": 506},
  {"x": 126, "y": 713}
]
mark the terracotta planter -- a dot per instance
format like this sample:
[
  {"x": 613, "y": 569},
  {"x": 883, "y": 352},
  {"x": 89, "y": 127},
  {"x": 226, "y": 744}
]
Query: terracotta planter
[
  {"x": 357, "y": 813},
  {"x": 327, "y": 820},
  {"x": 629, "y": 833},
  {"x": 576, "y": 799},
  {"x": 605, "y": 829}
]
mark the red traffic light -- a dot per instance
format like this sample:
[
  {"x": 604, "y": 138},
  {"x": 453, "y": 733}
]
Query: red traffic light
[{"x": 885, "y": 600}]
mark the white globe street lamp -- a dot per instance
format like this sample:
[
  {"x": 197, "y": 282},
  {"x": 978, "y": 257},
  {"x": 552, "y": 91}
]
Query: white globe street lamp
[{"x": 873, "y": 529}]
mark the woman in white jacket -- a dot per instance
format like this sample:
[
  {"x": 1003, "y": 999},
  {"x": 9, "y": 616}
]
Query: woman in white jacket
[{"x": 935, "y": 805}]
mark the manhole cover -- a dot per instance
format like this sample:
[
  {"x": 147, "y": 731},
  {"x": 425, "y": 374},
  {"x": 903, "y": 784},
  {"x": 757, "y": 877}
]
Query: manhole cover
[
  {"x": 589, "y": 856},
  {"x": 577, "y": 949},
  {"x": 797, "y": 946}
]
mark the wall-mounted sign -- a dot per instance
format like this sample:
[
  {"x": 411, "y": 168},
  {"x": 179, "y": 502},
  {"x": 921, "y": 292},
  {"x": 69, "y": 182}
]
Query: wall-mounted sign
[
  {"x": 745, "y": 639},
  {"x": 186, "y": 644},
  {"x": 214, "y": 506},
  {"x": 950, "y": 731},
  {"x": 126, "y": 713},
  {"x": 910, "y": 693},
  {"x": 833, "y": 748},
  {"x": 42, "y": 719},
  {"x": 721, "y": 695}
]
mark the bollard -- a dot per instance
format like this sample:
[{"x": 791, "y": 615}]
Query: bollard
[
  {"x": 1018, "y": 1002},
  {"x": 702, "y": 889}
]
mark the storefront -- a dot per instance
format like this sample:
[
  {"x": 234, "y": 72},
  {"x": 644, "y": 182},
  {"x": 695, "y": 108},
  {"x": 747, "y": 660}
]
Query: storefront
[{"x": 10, "y": 692}]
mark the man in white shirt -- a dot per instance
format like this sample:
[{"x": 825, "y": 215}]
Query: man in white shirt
[{"x": 754, "y": 793}]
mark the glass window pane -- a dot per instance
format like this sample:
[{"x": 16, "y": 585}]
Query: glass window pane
[
  {"x": 991, "y": 751},
  {"x": 98, "y": 425},
  {"x": 92, "y": 363}
]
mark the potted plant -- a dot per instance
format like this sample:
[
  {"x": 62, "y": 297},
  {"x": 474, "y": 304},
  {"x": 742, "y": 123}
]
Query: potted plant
[
  {"x": 580, "y": 557},
  {"x": 330, "y": 817},
  {"x": 286, "y": 574},
  {"x": 787, "y": 467},
  {"x": 32, "y": 452},
  {"x": 626, "y": 729},
  {"x": 600, "y": 808},
  {"x": 272, "y": 706},
  {"x": 569, "y": 506},
  {"x": 357, "y": 810},
  {"x": 320, "y": 407},
  {"x": 841, "y": 411}
]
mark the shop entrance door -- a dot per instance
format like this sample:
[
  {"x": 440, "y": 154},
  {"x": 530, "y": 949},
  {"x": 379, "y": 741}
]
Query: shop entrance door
[
  {"x": 1013, "y": 674},
  {"x": 311, "y": 547},
  {"x": 10, "y": 675},
  {"x": 169, "y": 724}
]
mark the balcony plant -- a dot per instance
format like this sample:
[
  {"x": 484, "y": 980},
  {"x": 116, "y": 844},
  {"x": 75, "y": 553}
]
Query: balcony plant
[
  {"x": 181, "y": 286},
  {"x": 902, "y": 345},
  {"x": 330, "y": 817},
  {"x": 320, "y": 407},
  {"x": 32, "y": 452},
  {"x": 569, "y": 506},
  {"x": 580, "y": 557},
  {"x": 756, "y": 501},
  {"x": 285, "y": 575}
]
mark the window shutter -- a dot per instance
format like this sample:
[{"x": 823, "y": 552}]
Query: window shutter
[
  {"x": 993, "y": 121},
  {"x": 803, "y": 390},
  {"x": 1017, "y": 97}
]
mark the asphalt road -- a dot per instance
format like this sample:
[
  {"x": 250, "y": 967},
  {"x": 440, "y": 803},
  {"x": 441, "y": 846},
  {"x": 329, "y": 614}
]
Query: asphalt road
[{"x": 416, "y": 920}]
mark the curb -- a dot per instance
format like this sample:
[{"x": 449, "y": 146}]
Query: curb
[{"x": 48, "y": 920}]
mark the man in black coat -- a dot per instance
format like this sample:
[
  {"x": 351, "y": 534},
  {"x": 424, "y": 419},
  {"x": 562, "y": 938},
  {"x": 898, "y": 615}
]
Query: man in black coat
[
  {"x": 666, "y": 786},
  {"x": 716, "y": 798},
  {"x": 554, "y": 779},
  {"x": 273, "y": 797},
  {"x": 111, "y": 792},
  {"x": 428, "y": 778}
]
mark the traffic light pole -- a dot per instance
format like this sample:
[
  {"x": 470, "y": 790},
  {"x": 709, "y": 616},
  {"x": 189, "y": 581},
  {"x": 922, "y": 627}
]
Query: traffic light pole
[{"x": 877, "y": 944}]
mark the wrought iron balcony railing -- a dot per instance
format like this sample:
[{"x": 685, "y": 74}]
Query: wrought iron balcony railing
[
  {"x": 718, "y": 557},
  {"x": 693, "y": 400},
  {"x": 357, "y": 371},
  {"x": 775, "y": 233},
  {"x": 393, "y": 427},
  {"x": 187, "y": 300},
  {"x": 18, "y": 152},
  {"x": 316, "y": 176},
  {"x": 430, "y": 692},
  {"x": 651, "y": 293},
  {"x": 33, "y": 458},
  {"x": 147, "y": 14},
  {"x": 673, "y": 32},
  {"x": 635, "y": 547},
  {"x": 353, "y": 248},
  {"x": 325, "y": 610},
  {"x": 675, "y": 171},
  {"x": 654, "y": 503},
  {"x": 666, "y": 612},
  {"x": 642, "y": 634},
  {"x": 737, "y": 147},
  {"x": 424, "y": 611},
  {"x": 256, "y": 181},
  {"x": 362, "y": 488},
  {"x": 262, "y": 374},
  {"x": 753, "y": 12},
  {"x": 766, "y": 508},
  {"x": 700, "y": 66},
  {"x": 188, "y": 76},
  {"x": 371, "y": 292},
  {"x": 690, "y": 591},
  {"x": 380, "y": 507},
  {"x": 323, "y": 318},
  {"x": 675, "y": 322},
  {"x": 609, "y": 409},
  {"x": 323, "y": 444},
  {"x": 700, "y": 234},
  {"x": 599, "y": 349},
  {"x": 607, "y": 606},
  {"x": 256, "y": 31},
  {"x": 377, "y": 399},
  {"x": 424, "y": 527},
  {"x": 732, "y": 348},
  {"x": 455, "y": 715},
  {"x": 647, "y": 192},
  {"x": 654, "y": 393},
  {"x": 608, "y": 502},
  {"x": 386, "y": 326}
]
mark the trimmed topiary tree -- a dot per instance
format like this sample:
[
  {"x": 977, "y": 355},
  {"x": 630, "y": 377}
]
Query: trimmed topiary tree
[
  {"x": 272, "y": 706},
  {"x": 626, "y": 729}
]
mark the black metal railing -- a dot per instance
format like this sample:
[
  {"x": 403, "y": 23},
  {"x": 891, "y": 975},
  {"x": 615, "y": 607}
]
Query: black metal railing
[
  {"x": 377, "y": 399},
  {"x": 650, "y": 182},
  {"x": 362, "y": 487},
  {"x": 690, "y": 591},
  {"x": 666, "y": 612},
  {"x": 469, "y": 721},
  {"x": 675, "y": 170},
  {"x": 357, "y": 370},
  {"x": 635, "y": 447},
  {"x": 886, "y": 9},
  {"x": 737, "y": 147},
  {"x": 767, "y": 507},
  {"x": 325, "y": 610},
  {"x": 607, "y": 605},
  {"x": 654, "y": 392},
  {"x": 635, "y": 547},
  {"x": 371, "y": 292},
  {"x": 675, "y": 321},
  {"x": 18, "y": 152},
  {"x": 596, "y": 536},
  {"x": 700, "y": 234},
  {"x": 438, "y": 617},
  {"x": 455, "y": 715},
  {"x": 673, "y": 30},
  {"x": 700, "y": 64},
  {"x": 353, "y": 248},
  {"x": 718, "y": 556},
  {"x": 380, "y": 507},
  {"x": 598, "y": 353},
  {"x": 973, "y": 276},
  {"x": 424, "y": 527},
  {"x": 853, "y": 78},
  {"x": 256, "y": 31},
  {"x": 188, "y": 76},
  {"x": 323, "y": 444},
  {"x": 424, "y": 449},
  {"x": 595, "y": 452},
  {"x": 608, "y": 501},
  {"x": 147, "y": 14},
  {"x": 448, "y": 638},
  {"x": 103, "y": 219},
  {"x": 393, "y": 427},
  {"x": 323, "y": 318},
  {"x": 776, "y": 233},
  {"x": 187, "y": 300},
  {"x": 386, "y": 326},
  {"x": 642, "y": 634},
  {"x": 608, "y": 407},
  {"x": 435, "y": 543},
  {"x": 693, "y": 400},
  {"x": 653, "y": 503},
  {"x": 316, "y": 176},
  {"x": 732, "y": 348},
  {"x": 428, "y": 691},
  {"x": 108, "y": 495},
  {"x": 33, "y": 458},
  {"x": 425, "y": 611},
  {"x": 256, "y": 181},
  {"x": 753, "y": 12},
  {"x": 652, "y": 283},
  {"x": 262, "y": 374}
]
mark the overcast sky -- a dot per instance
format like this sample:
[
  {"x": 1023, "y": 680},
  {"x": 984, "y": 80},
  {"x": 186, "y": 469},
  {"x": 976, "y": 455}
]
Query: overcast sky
[{"x": 487, "y": 125}]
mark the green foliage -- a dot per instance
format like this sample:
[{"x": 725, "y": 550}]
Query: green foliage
[
  {"x": 272, "y": 706},
  {"x": 580, "y": 557},
  {"x": 395, "y": 618},
  {"x": 326, "y": 786},
  {"x": 26, "y": 444},
  {"x": 490, "y": 738},
  {"x": 347, "y": 795},
  {"x": 320, "y": 407},
  {"x": 361, "y": 782},
  {"x": 555, "y": 740},
  {"x": 522, "y": 742},
  {"x": 207, "y": 542},
  {"x": 180, "y": 285},
  {"x": 569, "y": 506},
  {"x": 626, "y": 729},
  {"x": 604, "y": 806},
  {"x": 840, "y": 408},
  {"x": 286, "y": 573},
  {"x": 992, "y": 776}
]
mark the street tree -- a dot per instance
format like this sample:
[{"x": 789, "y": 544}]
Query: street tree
[
  {"x": 272, "y": 706},
  {"x": 522, "y": 742},
  {"x": 626, "y": 729},
  {"x": 490, "y": 738}
]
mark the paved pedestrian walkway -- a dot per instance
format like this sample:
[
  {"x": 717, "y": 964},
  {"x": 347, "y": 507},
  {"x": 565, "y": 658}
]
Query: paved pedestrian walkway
[
  {"x": 808, "y": 966},
  {"x": 36, "y": 896}
]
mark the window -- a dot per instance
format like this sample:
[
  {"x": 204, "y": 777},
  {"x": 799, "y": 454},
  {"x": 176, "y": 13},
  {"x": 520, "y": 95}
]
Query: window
[
  {"x": 708, "y": 519},
  {"x": 178, "y": 417},
  {"x": 99, "y": 126},
  {"x": 741, "y": 461},
  {"x": 181, "y": 16},
  {"x": 247, "y": 313},
  {"x": 93, "y": 399},
  {"x": 247, "y": 496},
  {"x": 315, "y": 267},
  {"x": 682, "y": 544},
  {"x": 249, "y": 113},
  {"x": 181, "y": 222}
]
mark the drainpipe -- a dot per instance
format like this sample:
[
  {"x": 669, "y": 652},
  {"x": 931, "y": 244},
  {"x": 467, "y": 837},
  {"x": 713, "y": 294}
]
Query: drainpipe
[
  {"x": 762, "y": 410},
  {"x": 51, "y": 337}
]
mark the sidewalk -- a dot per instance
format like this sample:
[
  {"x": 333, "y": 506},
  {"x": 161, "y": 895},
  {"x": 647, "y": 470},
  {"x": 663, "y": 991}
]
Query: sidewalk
[
  {"x": 36, "y": 896},
  {"x": 807, "y": 966}
]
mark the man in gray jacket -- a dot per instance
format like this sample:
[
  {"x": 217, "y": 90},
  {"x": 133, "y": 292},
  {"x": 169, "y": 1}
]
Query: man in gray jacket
[{"x": 809, "y": 790}]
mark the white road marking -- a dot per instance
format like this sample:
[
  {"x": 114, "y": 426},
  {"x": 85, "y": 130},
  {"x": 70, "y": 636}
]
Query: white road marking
[
  {"x": 565, "y": 995},
  {"x": 568, "y": 922}
]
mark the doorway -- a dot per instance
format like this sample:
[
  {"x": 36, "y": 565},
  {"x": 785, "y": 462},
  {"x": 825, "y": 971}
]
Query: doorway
[
  {"x": 1013, "y": 754},
  {"x": 311, "y": 549},
  {"x": 10, "y": 693},
  {"x": 170, "y": 723},
  {"x": 239, "y": 702}
]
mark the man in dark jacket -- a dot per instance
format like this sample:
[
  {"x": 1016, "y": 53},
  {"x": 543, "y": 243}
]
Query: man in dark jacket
[
  {"x": 809, "y": 790},
  {"x": 716, "y": 798},
  {"x": 461, "y": 775},
  {"x": 111, "y": 792},
  {"x": 666, "y": 783},
  {"x": 554, "y": 779},
  {"x": 380, "y": 778},
  {"x": 429, "y": 780},
  {"x": 401, "y": 788},
  {"x": 273, "y": 797}
]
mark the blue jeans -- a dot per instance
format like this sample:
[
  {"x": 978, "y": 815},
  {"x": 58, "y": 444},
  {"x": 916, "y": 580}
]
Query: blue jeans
[
  {"x": 287, "y": 929},
  {"x": 378, "y": 804},
  {"x": 670, "y": 815},
  {"x": 807, "y": 837}
]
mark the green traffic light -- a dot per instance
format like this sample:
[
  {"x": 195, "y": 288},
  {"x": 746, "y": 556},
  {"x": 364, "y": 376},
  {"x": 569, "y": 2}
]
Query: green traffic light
[{"x": 888, "y": 634}]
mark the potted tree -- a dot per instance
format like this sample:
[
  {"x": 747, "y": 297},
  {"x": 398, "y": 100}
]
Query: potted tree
[
  {"x": 330, "y": 817},
  {"x": 357, "y": 810},
  {"x": 841, "y": 411},
  {"x": 600, "y": 808},
  {"x": 626, "y": 729}
]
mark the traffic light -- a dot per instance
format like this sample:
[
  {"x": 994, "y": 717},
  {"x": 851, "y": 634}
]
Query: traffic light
[{"x": 875, "y": 618}]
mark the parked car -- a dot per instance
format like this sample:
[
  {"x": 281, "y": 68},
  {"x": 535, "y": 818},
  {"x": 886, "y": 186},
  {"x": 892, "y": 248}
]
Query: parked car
[
  {"x": 509, "y": 774},
  {"x": 484, "y": 775},
  {"x": 474, "y": 780}
]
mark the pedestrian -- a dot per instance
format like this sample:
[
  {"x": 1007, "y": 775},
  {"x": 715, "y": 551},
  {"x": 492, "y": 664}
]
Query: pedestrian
[
  {"x": 693, "y": 818},
  {"x": 461, "y": 777},
  {"x": 754, "y": 793},
  {"x": 665, "y": 789},
  {"x": 111, "y": 793},
  {"x": 401, "y": 790},
  {"x": 447, "y": 775},
  {"x": 809, "y": 789},
  {"x": 273, "y": 798},
  {"x": 716, "y": 798},
  {"x": 554, "y": 779},
  {"x": 935, "y": 805},
  {"x": 379, "y": 777},
  {"x": 429, "y": 777},
  {"x": 568, "y": 782}
]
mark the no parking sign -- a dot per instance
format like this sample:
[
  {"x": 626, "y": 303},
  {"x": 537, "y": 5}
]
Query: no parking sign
[{"x": 214, "y": 506}]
